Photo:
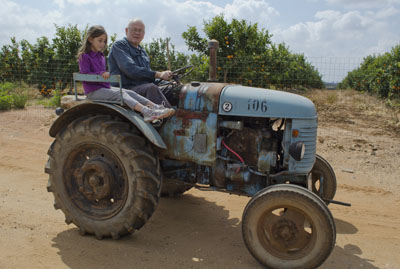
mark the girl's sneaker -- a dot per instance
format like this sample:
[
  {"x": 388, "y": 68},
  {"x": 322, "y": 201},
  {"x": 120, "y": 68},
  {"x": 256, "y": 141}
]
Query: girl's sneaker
[
  {"x": 150, "y": 115},
  {"x": 162, "y": 106},
  {"x": 157, "y": 106}
]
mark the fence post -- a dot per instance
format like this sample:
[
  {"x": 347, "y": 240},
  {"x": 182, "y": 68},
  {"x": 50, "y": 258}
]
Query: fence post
[{"x": 213, "y": 46}]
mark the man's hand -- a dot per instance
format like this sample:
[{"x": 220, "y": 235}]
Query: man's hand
[
  {"x": 106, "y": 75},
  {"x": 164, "y": 75}
]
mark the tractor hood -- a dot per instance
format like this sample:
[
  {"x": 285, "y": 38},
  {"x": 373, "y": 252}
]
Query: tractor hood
[{"x": 238, "y": 100}]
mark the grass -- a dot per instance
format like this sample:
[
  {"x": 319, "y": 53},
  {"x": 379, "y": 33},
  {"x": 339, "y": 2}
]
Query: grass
[
  {"x": 12, "y": 95},
  {"x": 331, "y": 98},
  {"x": 5, "y": 103},
  {"x": 349, "y": 105},
  {"x": 322, "y": 99},
  {"x": 18, "y": 95}
]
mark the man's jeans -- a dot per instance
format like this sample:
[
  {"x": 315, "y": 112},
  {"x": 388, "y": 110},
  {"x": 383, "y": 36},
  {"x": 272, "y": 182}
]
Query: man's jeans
[{"x": 152, "y": 92}]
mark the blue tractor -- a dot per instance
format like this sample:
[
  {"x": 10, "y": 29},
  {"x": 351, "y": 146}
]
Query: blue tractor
[{"x": 108, "y": 168}]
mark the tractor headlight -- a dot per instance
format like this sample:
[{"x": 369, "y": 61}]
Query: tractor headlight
[{"x": 297, "y": 150}]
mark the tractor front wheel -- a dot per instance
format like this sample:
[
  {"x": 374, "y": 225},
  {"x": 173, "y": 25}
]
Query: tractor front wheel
[
  {"x": 323, "y": 179},
  {"x": 287, "y": 226}
]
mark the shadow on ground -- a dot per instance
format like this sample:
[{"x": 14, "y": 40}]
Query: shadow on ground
[
  {"x": 349, "y": 255},
  {"x": 184, "y": 232},
  {"x": 343, "y": 227}
]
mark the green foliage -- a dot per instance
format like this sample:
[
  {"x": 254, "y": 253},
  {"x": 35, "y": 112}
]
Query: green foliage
[
  {"x": 201, "y": 67},
  {"x": 163, "y": 55},
  {"x": 194, "y": 41},
  {"x": 378, "y": 75},
  {"x": 6, "y": 88},
  {"x": 163, "y": 59},
  {"x": 12, "y": 97},
  {"x": 111, "y": 40},
  {"x": 55, "y": 101},
  {"x": 235, "y": 39},
  {"x": 40, "y": 67},
  {"x": 247, "y": 56},
  {"x": 5, "y": 102},
  {"x": 45, "y": 65},
  {"x": 19, "y": 101},
  {"x": 11, "y": 65},
  {"x": 66, "y": 44}
]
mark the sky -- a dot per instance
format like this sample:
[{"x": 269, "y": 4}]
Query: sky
[{"x": 334, "y": 34}]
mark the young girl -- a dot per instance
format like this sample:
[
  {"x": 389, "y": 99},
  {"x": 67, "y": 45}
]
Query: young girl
[{"x": 92, "y": 61}]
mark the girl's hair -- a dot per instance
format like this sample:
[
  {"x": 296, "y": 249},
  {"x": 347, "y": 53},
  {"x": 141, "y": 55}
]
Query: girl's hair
[{"x": 93, "y": 32}]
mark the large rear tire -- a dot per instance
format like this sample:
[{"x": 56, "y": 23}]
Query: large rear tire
[
  {"x": 287, "y": 226},
  {"x": 104, "y": 176}
]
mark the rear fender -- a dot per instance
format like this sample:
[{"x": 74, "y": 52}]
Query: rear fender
[{"x": 88, "y": 108}]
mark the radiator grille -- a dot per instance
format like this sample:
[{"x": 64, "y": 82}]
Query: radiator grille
[{"x": 309, "y": 136}]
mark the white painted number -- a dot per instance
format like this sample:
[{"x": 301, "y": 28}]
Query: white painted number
[{"x": 227, "y": 106}]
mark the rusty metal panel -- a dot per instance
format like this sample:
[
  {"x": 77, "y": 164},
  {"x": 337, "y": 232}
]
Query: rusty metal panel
[
  {"x": 203, "y": 97},
  {"x": 200, "y": 143},
  {"x": 184, "y": 130},
  {"x": 191, "y": 134}
]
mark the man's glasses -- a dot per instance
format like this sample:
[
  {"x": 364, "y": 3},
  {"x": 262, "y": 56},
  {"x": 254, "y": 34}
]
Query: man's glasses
[{"x": 136, "y": 30}]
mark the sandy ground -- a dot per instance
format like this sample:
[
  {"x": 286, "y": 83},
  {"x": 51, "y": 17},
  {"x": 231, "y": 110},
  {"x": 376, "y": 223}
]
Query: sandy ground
[{"x": 198, "y": 229}]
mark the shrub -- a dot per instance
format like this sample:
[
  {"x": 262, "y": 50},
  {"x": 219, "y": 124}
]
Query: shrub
[
  {"x": 12, "y": 96},
  {"x": 55, "y": 101},
  {"x": 6, "y": 88},
  {"x": 5, "y": 102},
  {"x": 19, "y": 100}
]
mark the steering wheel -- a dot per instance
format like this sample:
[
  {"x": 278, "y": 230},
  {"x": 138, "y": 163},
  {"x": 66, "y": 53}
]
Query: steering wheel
[
  {"x": 177, "y": 75},
  {"x": 180, "y": 73}
]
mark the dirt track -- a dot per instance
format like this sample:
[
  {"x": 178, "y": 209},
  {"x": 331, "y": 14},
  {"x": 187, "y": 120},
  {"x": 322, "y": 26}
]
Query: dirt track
[{"x": 198, "y": 229}]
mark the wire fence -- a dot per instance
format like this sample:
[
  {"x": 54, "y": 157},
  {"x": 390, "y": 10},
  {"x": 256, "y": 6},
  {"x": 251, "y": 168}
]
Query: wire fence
[
  {"x": 45, "y": 77},
  {"x": 46, "y": 80},
  {"x": 314, "y": 72},
  {"x": 253, "y": 71},
  {"x": 334, "y": 69}
]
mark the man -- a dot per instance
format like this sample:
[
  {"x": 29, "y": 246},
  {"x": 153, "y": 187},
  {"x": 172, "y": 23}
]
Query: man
[{"x": 129, "y": 60}]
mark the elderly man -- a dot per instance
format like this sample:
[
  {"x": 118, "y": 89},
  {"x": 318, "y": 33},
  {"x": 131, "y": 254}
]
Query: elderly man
[{"x": 128, "y": 59}]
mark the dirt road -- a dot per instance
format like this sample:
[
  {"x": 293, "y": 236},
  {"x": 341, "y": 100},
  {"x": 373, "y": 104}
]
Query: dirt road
[{"x": 198, "y": 229}]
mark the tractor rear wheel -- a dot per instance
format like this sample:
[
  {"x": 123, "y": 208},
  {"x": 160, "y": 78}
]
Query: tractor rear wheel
[
  {"x": 104, "y": 176},
  {"x": 287, "y": 226}
]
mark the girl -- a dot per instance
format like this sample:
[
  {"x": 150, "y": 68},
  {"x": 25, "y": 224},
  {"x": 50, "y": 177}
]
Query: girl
[{"x": 92, "y": 61}]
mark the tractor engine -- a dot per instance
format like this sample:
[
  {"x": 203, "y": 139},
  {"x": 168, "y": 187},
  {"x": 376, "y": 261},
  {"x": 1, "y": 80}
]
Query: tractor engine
[
  {"x": 246, "y": 150},
  {"x": 239, "y": 139}
]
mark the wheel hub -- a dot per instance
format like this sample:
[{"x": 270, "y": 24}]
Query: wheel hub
[
  {"x": 284, "y": 231},
  {"x": 94, "y": 179}
]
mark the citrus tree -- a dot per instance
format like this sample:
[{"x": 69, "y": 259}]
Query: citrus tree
[
  {"x": 246, "y": 55},
  {"x": 378, "y": 75},
  {"x": 66, "y": 44},
  {"x": 11, "y": 64},
  {"x": 163, "y": 55}
]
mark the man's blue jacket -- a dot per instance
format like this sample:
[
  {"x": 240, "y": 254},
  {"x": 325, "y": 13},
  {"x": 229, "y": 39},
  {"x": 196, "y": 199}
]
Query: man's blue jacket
[{"x": 131, "y": 63}]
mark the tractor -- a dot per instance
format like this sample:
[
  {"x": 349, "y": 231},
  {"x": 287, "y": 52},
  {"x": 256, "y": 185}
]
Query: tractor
[{"x": 108, "y": 168}]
